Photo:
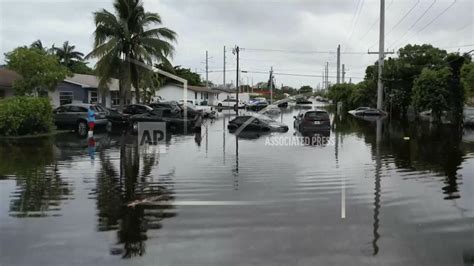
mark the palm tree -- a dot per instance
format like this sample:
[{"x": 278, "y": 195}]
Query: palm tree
[
  {"x": 38, "y": 44},
  {"x": 66, "y": 54},
  {"x": 123, "y": 38}
]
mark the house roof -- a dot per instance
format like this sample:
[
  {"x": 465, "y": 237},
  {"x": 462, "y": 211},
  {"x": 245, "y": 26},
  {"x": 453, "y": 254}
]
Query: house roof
[
  {"x": 91, "y": 81},
  {"x": 7, "y": 77},
  {"x": 194, "y": 88}
]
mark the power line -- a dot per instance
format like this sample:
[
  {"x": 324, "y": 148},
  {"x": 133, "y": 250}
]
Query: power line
[
  {"x": 355, "y": 19},
  {"x": 434, "y": 19},
  {"x": 300, "y": 51},
  {"x": 403, "y": 18},
  {"x": 373, "y": 25},
  {"x": 439, "y": 15},
  {"x": 414, "y": 24}
]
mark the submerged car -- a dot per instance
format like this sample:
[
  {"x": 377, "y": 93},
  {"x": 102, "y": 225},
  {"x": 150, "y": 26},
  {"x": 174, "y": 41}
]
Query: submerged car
[
  {"x": 360, "y": 109},
  {"x": 74, "y": 116},
  {"x": 312, "y": 121},
  {"x": 230, "y": 103},
  {"x": 257, "y": 104},
  {"x": 368, "y": 112},
  {"x": 173, "y": 120},
  {"x": 255, "y": 122},
  {"x": 117, "y": 118}
]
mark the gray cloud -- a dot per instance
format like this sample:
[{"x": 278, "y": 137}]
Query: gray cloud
[{"x": 288, "y": 25}]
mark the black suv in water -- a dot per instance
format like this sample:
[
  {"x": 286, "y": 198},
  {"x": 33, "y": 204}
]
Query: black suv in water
[{"x": 312, "y": 121}]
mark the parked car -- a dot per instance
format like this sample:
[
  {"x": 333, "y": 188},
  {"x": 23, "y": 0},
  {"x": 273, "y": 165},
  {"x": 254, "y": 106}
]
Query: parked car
[
  {"x": 353, "y": 112},
  {"x": 256, "y": 122},
  {"x": 257, "y": 104},
  {"x": 230, "y": 103},
  {"x": 369, "y": 112},
  {"x": 74, "y": 116},
  {"x": 206, "y": 111},
  {"x": 174, "y": 120},
  {"x": 117, "y": 118},
  {"x": 303, "y": 103},
  {"x": 312, "y": 121},
  {"x": 171, "y": 105}
]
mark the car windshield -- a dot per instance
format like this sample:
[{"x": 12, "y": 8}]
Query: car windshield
[{"x": 317, "y": 115}]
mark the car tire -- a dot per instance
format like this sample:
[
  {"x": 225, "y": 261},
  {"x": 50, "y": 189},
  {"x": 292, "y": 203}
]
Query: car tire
[{"x": 81, "y": 128}]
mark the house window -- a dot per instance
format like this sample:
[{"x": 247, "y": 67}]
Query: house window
[
  {"x": 195, "y": 95},
  {"x": 93, "y": 97},
  {"x": 115, "y": 97},
  {"x": 201, "y": 96},
  {"x": 2, "y": 94},
  {"x": 65, "y": 97}
]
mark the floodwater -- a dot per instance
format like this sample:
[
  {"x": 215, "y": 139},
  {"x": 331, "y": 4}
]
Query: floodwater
[{"x": 379, "y": 193}]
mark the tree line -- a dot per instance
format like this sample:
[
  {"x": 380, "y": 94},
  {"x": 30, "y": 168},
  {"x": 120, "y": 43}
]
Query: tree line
[{"x": 422, "y": 77}]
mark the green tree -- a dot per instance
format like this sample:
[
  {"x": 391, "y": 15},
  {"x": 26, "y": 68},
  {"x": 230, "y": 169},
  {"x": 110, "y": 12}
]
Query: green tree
[
  {"x": 399, "y": 73},
  {"x": 305, "y": 89},
  {"x": 430, "y": 91},
  {"x": 467, "y": 78},
  {"x": 39, "y": 70},
  {"x": 342, "y": 93},
  {"x": 456, "y": 97},
  {"x": 125, "y": 38}
]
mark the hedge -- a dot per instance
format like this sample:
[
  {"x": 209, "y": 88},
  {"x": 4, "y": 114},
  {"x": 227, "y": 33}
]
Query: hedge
[{"x": 25, "y": 116}]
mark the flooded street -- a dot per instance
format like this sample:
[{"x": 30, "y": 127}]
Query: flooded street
[{"x": 369, "y": 195}]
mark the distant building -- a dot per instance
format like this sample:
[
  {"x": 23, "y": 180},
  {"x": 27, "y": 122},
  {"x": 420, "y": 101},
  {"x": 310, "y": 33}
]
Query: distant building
[{"x": 175, "y": 92}]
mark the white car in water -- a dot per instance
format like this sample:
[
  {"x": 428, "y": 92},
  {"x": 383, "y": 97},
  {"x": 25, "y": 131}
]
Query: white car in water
[
  {"x": 360, "y": 109},
  {"x": 230, "y": 103}
]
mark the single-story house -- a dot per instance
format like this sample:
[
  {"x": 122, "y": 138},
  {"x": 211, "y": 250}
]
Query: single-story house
[
  {"x": 78, "y": 88},
  {"x": 7, "y": 77},
  {"x": 175, "y": 92}
]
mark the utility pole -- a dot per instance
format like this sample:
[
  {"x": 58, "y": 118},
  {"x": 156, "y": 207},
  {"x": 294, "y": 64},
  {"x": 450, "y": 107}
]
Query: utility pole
[
  {"x": 381, "y": 54},
  {"x": 324, "y": 79},
  {"x": 343, "y": 73},
  {"x": 236, "y": 51},
  {"x": 338, "y": 75},
  {"x": 271, "y": 85},
  {"x": 207, "y": 71},
  {"x": 327, "y": 75},
  {"x": 223, "y": 73}
]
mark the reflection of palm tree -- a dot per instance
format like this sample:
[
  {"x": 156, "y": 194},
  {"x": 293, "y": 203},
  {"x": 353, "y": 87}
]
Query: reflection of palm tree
[{"x": 116, "y": 189}]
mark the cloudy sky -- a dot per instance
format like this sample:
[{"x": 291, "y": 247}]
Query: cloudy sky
[{"x": 305, "y": 33}]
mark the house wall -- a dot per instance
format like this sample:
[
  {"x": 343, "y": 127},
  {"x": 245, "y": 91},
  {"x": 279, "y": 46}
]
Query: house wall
[{"x": 175, "y": 93}]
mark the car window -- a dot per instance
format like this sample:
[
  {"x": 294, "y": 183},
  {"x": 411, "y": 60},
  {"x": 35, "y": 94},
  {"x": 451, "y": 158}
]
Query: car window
[
  {"x": 60, "y": 109},
  {"x": 317, "y": 115},
  {"x": 77, "y": 109},
  {"x": 241, "y": 119}
]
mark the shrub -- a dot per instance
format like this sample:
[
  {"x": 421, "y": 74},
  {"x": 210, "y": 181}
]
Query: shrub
[{"x": 25, "y": 116}]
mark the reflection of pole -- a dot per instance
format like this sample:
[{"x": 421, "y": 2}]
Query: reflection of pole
[
  {"x": 236, "y": 51},
  {"x": 223, "y": 138},
  {"x": 378, "y": 168},
  {"x": 271, "y": 86},
  {"x": 236, "y": 172}
]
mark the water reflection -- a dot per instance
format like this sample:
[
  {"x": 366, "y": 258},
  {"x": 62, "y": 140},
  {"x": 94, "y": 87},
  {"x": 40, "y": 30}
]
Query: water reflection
[
  {"x": 414, "y": 147},
  {"x": 130, "y": 199},
  {"x": 40, "y": 189}
]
